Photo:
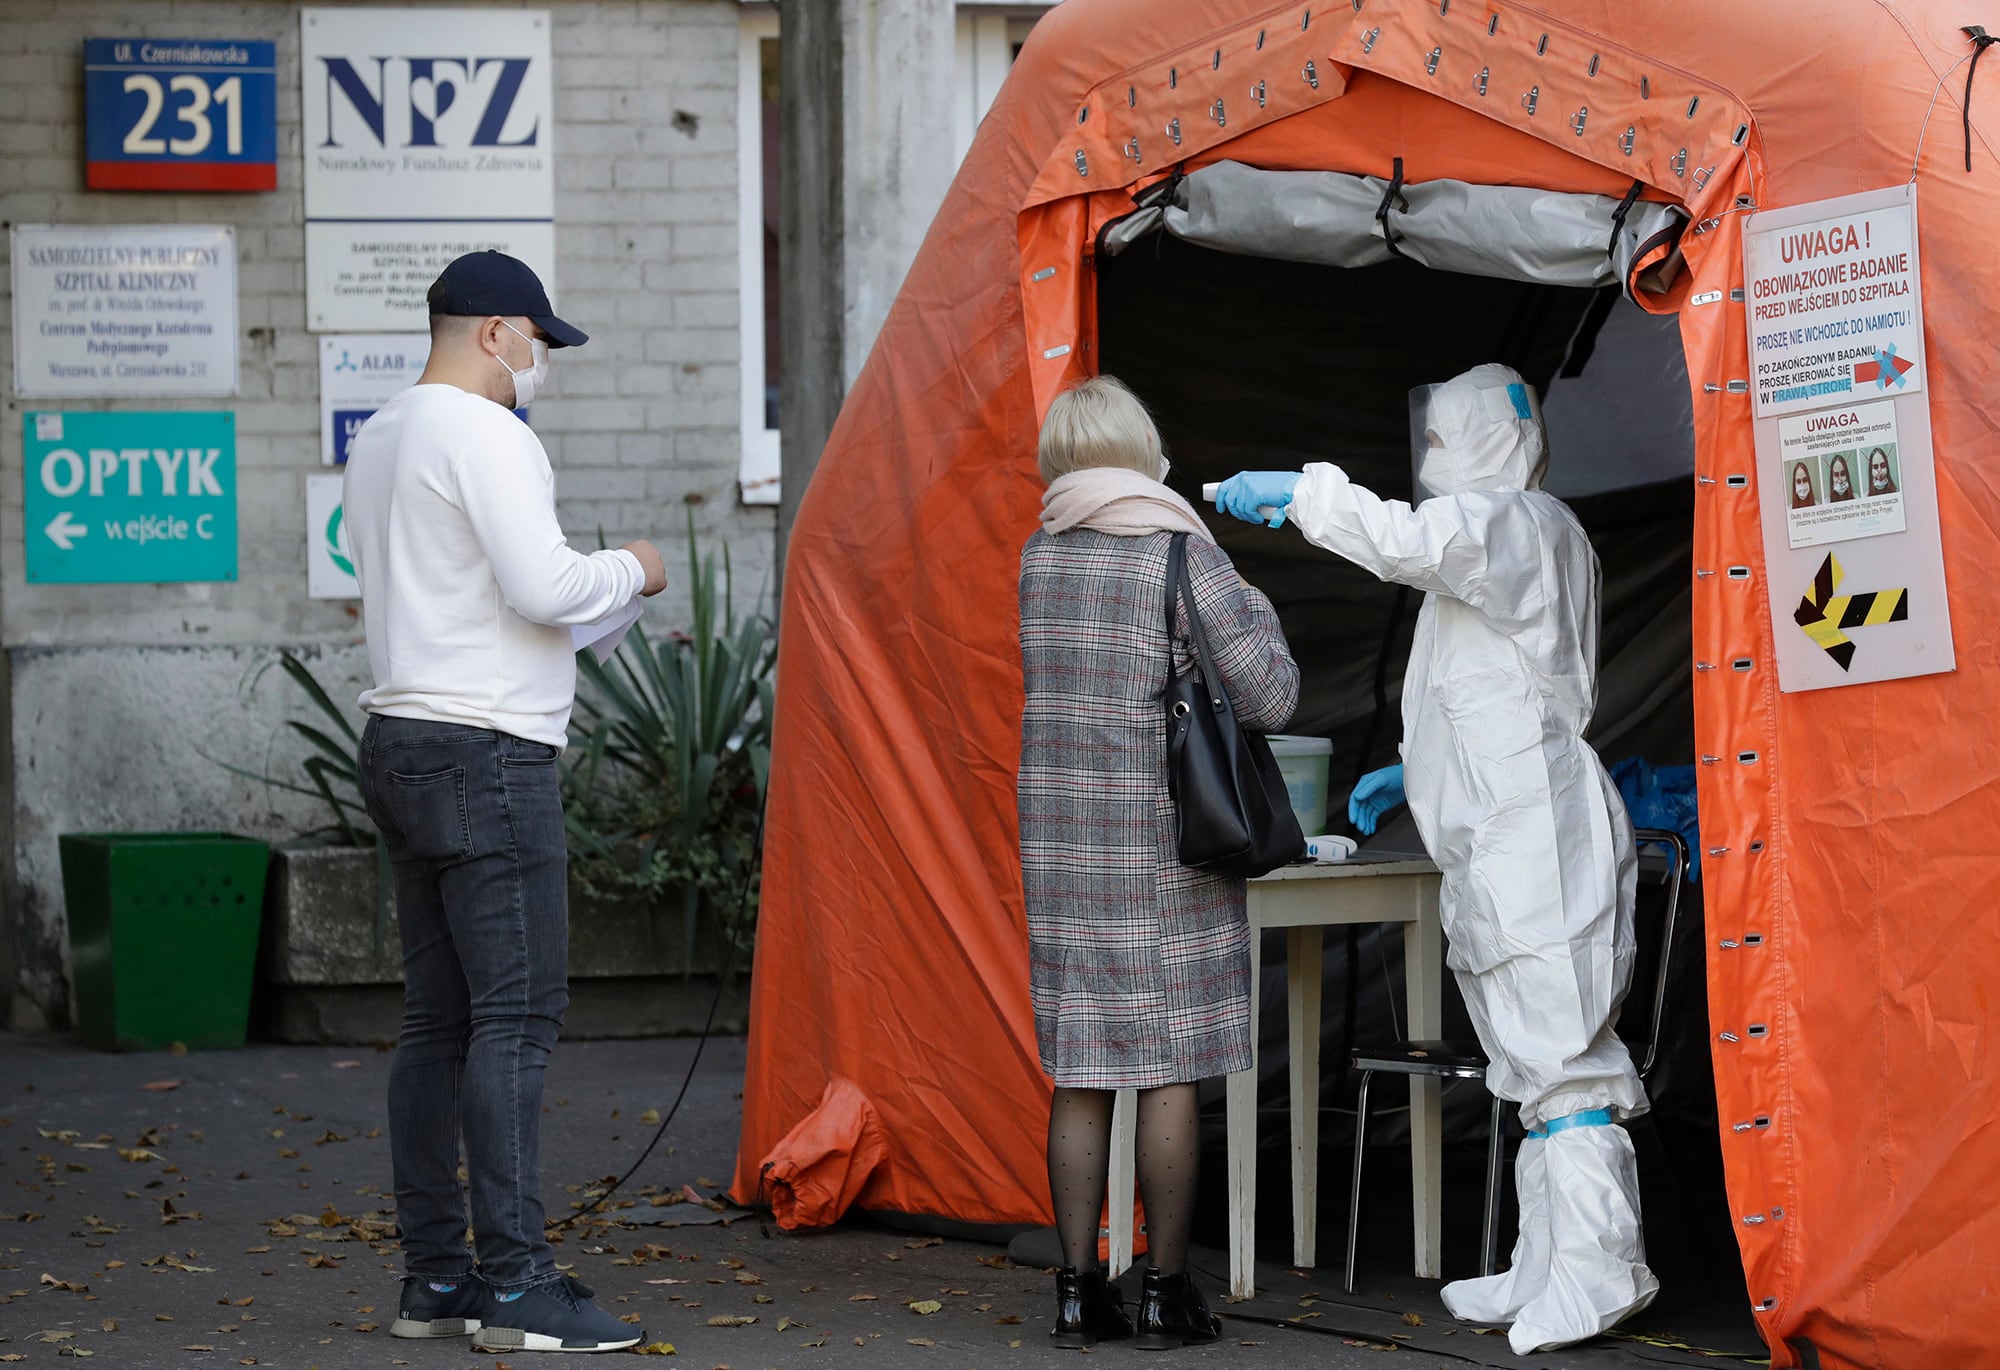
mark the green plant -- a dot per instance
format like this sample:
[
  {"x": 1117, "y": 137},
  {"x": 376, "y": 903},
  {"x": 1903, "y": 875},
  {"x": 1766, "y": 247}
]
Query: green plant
[
  {"x": 672, "y": 750},
  {"x": 332, "y": 767}
]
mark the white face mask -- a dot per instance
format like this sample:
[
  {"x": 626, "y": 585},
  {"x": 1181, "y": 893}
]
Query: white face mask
[{"x": 528, "y": 382}]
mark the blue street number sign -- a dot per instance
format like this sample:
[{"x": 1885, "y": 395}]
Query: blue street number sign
[
  {"x": 130, "y": 497},
  {"x": 180, "y": 114}
]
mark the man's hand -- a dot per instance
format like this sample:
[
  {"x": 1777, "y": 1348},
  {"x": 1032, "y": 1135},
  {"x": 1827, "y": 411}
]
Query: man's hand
[{"x": 649, "y": 557}]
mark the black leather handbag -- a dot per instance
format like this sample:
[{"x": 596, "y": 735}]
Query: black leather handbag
[{"x": 1235, "y": 816}]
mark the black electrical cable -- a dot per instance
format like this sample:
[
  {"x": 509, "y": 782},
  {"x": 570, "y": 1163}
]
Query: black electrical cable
[
  {"x": 701, "y": 1044},
  {"x": 1981, "y": 40}
]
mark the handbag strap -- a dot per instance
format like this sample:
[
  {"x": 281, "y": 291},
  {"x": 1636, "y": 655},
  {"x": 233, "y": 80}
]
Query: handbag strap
[{"x": 1181, "y": 587}]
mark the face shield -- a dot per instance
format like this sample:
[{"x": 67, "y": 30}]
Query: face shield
[{"x": 1465, "y": 435}]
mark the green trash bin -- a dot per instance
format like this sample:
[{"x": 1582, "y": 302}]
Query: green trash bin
[{"x": 163, "y": 935}]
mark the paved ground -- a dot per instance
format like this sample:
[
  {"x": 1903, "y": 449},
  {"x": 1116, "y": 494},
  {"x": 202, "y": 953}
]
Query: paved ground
[{"x": 229, "y": 1208}]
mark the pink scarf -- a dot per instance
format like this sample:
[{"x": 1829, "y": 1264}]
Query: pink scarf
[{"x": 1111, "y": 499}]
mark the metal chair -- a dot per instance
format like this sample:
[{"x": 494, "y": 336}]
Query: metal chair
[{"x": 1466, "y": 1061}]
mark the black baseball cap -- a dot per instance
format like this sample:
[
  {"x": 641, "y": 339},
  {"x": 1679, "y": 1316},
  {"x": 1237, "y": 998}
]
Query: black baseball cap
[{"x": 482, "y": 283}]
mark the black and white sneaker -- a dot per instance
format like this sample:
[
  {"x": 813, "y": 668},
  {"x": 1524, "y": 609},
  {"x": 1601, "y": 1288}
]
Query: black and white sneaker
[
  {"x": 441, "y": 1308},
  {"x": 552, "y": 1317}
]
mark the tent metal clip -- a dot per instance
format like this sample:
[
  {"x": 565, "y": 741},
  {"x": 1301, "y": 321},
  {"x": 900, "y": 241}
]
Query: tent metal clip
[
  {"x": 1368, "y": 39},
  {"x": 1132, "y": 149},
  {"x": 1680, "y": 162},
  {"x": 1531, "y": 99},
  {"x": 1082, "y": 163},
  {"x": 1431, "y": 62},
  {"x": 1174, "y": 131},
  {"x": 1579, "y": 119},
  {"x": 1480, "y": 85},
  {"x": 1215, "y": 112},
  {"x": 1629, "y": 139},
  {"x": 1701, "y": 177},
  {"x": 1259, "y": 94},
  {"x": 1311, "y": 74}
]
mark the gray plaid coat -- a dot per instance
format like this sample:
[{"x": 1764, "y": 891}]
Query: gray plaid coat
[{"x": 1139, "y": 966}]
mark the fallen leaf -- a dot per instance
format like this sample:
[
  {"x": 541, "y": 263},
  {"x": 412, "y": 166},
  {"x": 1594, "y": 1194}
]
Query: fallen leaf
[
  {"x": 161, "y": 1086},
  {"x": 997, "y": 1262},
  {"x": 669, "y": 1281},
  {"x": 651, "y": 1115},
  {"x": 919, "y": 1243},
  {"x": 138, "y": 1153},
  {"x": 365, "y": 1326},
  {"x": 785, "y": 1324},
  {"x": 732, "y": 1320},
  {"x": 51, "y": 1282},
  {"x": 862, "y": 1298},
  {"x": 50, "y": 1337},
  {"x": 197, "y": 1347},
  {"x": 109, "y": 1325},
  {"x": 657, "y": 1348},
  {"x": 925, "y": 1306},
  {"x": 920, "y": 1341},
  {"x": 1011, "y": 1320},
  {"x": 1413, "y": 1319}
]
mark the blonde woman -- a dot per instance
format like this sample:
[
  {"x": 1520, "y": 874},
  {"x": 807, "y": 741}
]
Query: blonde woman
[{"x": 1140, "y": 966}]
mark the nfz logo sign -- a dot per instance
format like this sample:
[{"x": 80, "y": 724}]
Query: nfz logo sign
[
  {"x": 426, "y": 114},
  {"x": 467, "y": 94}
]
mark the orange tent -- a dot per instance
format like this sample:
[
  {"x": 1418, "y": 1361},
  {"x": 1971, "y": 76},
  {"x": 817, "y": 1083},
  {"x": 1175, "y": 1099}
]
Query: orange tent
[{"x": 892, "y": 948}]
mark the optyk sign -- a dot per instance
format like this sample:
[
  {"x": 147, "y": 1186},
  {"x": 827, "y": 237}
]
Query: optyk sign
[{"x": 130, "y": 497}]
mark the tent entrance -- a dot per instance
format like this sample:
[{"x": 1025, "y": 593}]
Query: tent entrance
[{"x": 1249, "y": 362}]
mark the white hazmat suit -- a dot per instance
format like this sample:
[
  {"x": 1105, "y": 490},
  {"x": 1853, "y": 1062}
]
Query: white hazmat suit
[{"x": 1528, "y": 830}]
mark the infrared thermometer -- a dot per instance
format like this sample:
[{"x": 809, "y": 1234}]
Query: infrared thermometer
[{"x": 1266, "y": 512}]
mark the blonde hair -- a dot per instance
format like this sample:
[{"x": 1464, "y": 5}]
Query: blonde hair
[{"x": 1098, "y": 422}]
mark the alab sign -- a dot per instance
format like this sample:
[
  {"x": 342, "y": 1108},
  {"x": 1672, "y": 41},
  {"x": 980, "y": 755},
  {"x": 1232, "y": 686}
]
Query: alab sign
[{"x": 120, "y": 498}]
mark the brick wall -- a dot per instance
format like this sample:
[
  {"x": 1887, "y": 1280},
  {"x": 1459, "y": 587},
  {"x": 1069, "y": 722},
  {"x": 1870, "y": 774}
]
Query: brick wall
[{"x": 121, "y": 698}]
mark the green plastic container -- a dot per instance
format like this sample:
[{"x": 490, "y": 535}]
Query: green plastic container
[{"x": 163, "y": 936}]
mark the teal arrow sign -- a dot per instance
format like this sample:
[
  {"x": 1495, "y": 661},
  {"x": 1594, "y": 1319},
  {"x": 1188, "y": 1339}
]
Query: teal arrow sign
[{"x": 129, "y": 497}]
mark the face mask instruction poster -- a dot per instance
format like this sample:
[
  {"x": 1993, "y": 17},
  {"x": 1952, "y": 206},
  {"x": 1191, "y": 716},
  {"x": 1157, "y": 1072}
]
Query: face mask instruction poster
[{"x": 1845, "y": 477}]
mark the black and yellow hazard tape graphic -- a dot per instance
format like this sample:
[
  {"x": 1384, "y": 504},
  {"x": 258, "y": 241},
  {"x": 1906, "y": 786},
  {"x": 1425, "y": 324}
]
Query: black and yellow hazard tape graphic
[{"x": 1824, "y": 615}]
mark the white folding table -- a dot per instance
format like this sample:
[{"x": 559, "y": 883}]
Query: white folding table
[{"x": 1304, "y": 900}]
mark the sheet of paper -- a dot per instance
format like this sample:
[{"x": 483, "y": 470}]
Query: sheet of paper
[{"x": 603, "y": 636}]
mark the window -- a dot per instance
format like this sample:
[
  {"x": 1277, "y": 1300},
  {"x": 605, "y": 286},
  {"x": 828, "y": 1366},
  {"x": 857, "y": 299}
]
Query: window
[
  {"x": 757, "y": 201},
  {"x": 989, "y": 37}
]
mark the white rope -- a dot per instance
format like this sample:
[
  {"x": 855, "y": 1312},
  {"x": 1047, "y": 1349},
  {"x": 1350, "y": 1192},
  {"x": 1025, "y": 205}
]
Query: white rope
[{"x": 1935, "y": 93}]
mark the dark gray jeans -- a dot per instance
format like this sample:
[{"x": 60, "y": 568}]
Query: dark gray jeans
[{"x": 474, "y": 824}]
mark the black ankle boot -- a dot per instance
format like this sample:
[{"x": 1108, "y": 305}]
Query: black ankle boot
[
  {"x": 1173, "y": 1313},
  {"x": 1088, "y": 1309}
]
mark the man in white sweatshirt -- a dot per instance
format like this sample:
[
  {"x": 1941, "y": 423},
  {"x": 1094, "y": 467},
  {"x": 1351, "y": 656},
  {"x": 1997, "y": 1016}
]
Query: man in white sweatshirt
[{"x": 469, "y": 591}]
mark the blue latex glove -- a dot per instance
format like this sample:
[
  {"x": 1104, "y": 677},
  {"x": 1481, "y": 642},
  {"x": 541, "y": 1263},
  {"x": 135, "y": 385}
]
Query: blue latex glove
[
  {"x": 1374, "y": 795},
  {"x": 1244, "y": 493}
]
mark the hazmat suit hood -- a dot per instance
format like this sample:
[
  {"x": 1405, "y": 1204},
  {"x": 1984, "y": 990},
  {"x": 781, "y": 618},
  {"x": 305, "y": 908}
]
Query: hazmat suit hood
[{"x": 1482, "y": 430}]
